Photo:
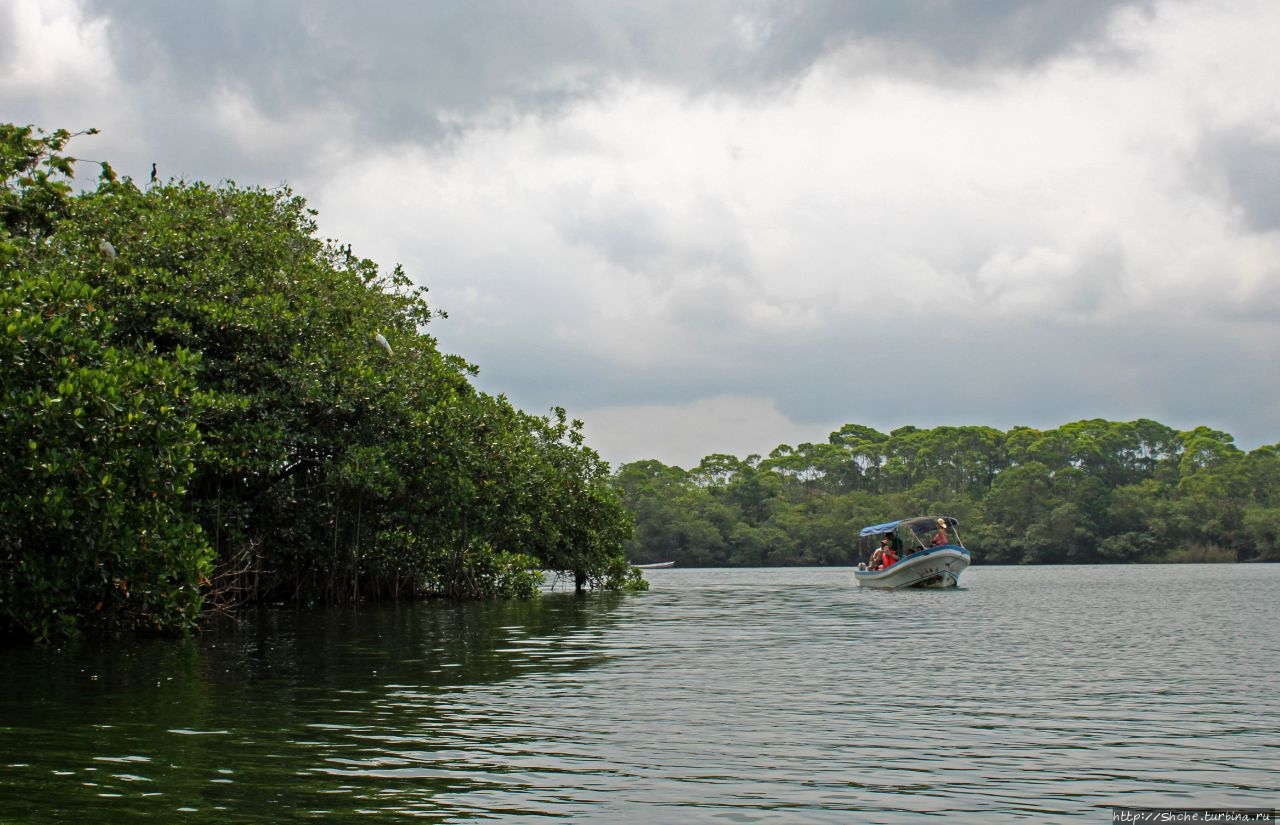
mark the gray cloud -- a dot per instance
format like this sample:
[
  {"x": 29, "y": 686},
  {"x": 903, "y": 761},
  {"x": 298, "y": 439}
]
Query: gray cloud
[
  {"x": 411, "y": 68},
  {"x": 812, "y": 207},
  {"x": 1251, "y": 168},
  {"x": 418, "y": 73},
  {"x": 958, "y": 33},
  {"x": 888, "y": 373},
  {"x": 634, "y": 237}
]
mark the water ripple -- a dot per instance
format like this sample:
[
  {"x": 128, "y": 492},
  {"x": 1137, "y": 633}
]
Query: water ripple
[{"x": 1031, "y": 694}]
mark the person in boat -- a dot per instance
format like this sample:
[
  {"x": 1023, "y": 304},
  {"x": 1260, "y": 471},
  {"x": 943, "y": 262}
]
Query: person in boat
[
  {"x": 889, "y": 557},
  {"x": 940, "y": 538},
  {"x": 878, "y": 556}
]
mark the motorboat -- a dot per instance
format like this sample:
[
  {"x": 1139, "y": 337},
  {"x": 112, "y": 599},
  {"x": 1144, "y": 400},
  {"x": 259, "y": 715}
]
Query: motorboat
[
  {"x": 929, "y": 550},
  {"x": 656, "y": 566}
]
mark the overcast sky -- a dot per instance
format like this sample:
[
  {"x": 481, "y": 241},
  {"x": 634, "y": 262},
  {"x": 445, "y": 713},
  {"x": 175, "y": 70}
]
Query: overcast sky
[{"x": 707, "y": 226}]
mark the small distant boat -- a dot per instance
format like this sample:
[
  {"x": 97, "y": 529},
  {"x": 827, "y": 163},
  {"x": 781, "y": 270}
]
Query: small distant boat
[
  {"x": 924, "y": 564},
  {"x": 657, "y": 566}
]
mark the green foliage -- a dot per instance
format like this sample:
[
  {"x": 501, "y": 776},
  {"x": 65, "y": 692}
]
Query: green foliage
[
  {"x": 100, "y": 444},
  {"x": 1088, "y": 492},
  {"x": 211, "y": 403},
  {"x": 36, "y": 183}
]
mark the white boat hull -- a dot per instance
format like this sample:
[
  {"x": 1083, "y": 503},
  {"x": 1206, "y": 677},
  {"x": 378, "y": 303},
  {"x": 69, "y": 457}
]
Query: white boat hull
[{"x": 934, "y": 567}]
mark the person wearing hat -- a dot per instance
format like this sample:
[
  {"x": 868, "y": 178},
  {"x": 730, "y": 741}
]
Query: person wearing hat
[{"x": 940, "y": 538}]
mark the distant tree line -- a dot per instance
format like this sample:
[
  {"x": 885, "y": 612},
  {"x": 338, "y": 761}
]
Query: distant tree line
[
  {"x": 202, "y": 404},
  {"x": 1088, "y": 492}
]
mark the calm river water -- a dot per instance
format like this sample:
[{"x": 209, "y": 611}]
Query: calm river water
[{"x": 766, "y": 695}]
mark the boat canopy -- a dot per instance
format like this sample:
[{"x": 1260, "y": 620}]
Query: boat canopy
[
  {"x": 875, "y": 529},
  {"x": 919, "y": 524}
]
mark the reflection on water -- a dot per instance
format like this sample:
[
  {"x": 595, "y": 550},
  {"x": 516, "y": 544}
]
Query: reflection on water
[{"x": 718, "y": 696}]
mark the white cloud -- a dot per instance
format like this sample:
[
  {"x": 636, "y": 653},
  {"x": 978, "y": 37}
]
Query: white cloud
[
  {"x": 683, "y": 434},
  {"x": 718, "y": 244},
  {"x": 635, "y": 239},
  {"x": 58, "y": 73},
  {"x": 778, "y": 215},
  {"x": 56, "y": 46},
  {"x": 321, "y": 136}
]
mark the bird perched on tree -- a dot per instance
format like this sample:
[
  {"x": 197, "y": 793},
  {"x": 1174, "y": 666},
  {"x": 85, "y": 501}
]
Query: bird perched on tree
[
  {"x": 108, "y": 251},
  {"x": 154, "y": 176},
  {"x": 382, "y": 342}
]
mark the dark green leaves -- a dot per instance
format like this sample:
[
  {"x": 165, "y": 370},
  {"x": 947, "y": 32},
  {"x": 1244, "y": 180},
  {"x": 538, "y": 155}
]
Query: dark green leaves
[
  {"x": 1089, "y": 491},
  {"x": 211, "y": 404}
]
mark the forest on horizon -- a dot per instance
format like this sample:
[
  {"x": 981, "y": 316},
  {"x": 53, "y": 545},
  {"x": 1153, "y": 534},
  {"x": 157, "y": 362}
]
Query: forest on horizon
[{"x": 1088, "y": 492}]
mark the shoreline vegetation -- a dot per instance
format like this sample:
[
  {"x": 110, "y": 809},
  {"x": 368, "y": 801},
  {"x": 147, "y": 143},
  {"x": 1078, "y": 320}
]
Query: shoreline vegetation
[
  {"x": 1089, "y": 492},
  {"x": 205, "y": 406}
]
